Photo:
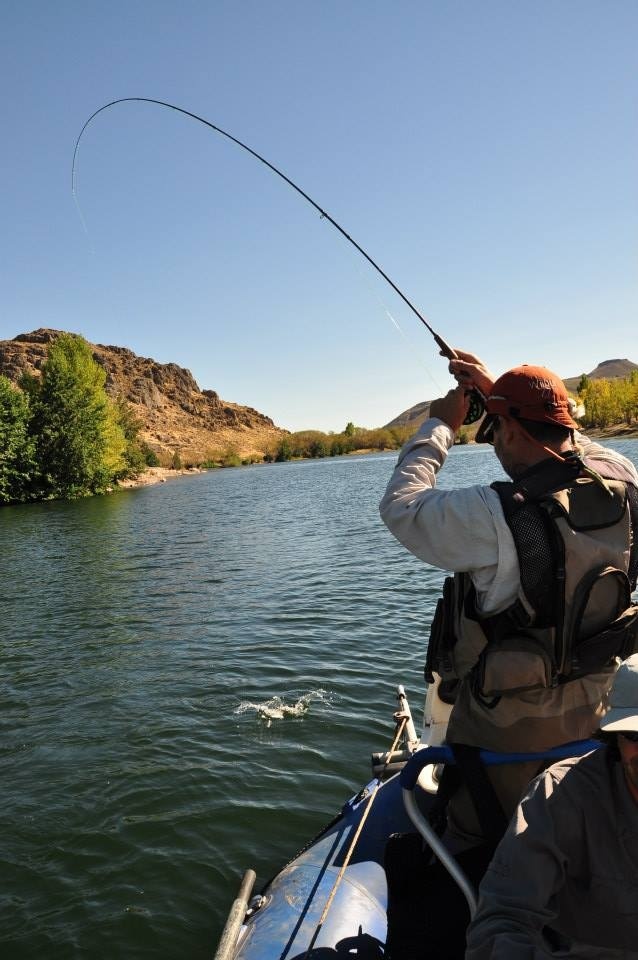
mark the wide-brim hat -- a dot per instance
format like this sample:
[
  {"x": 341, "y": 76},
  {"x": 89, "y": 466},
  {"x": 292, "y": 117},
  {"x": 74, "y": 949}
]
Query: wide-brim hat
[
  {"x": 622, "y": 699},
  {"x": 527, "y": 393}
]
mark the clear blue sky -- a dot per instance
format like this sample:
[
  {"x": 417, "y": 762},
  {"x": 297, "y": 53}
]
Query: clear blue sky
[{"x": 485, "y": 152}]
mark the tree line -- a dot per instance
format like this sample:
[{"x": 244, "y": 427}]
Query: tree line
[
  {"x": 609, "y": 402},
  {"x": 61, "y": 435},
  {"x": 314, "y": 443}
]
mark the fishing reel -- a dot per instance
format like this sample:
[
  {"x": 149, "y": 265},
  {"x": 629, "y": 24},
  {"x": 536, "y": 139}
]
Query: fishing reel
[
  {"x": 476, "y": 408},
  {"x": 476, "y": 399}
]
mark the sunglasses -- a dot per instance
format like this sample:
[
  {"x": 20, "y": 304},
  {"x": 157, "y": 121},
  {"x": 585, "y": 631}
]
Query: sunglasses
[{"x": 631, "y": 735}]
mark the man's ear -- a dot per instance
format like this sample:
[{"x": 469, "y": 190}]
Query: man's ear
[{"x": 508, "y": 429}]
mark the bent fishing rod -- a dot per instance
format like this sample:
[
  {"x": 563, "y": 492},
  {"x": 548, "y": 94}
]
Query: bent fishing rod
[{"x": 476, "y": 399}]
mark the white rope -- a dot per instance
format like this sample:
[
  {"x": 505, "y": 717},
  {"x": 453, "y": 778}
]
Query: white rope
[{"x": 353, "y": 844}]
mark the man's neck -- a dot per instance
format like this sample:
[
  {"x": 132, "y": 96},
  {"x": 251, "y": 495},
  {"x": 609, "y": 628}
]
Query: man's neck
[{"x": 529, "y": 468}]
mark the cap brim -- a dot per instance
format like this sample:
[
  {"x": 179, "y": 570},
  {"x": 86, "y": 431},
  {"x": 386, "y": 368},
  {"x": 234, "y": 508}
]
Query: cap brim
[
  {"x": 617, "y": 720},
  {"x": 485, "y": 433}
]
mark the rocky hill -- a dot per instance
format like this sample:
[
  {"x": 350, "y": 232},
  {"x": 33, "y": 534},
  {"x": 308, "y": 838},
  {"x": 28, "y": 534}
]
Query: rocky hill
[
  {"x": 175, "y": 414},
  {"x": 412, "y": 417},
  {"x": 606, "y": 370}
]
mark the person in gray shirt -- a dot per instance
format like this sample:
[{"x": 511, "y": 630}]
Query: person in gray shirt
[{"x": 564, "y": 879}]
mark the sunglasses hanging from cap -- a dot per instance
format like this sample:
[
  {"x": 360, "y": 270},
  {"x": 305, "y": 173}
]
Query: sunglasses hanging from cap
[{"x": 476, "y": 400}]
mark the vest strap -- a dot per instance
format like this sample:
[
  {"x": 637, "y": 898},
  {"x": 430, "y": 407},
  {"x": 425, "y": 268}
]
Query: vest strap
[
  {"x": 546, "y": 476},
  {"x": 489, "y": 811}
]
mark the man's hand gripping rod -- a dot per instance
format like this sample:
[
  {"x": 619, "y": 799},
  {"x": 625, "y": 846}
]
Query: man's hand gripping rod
[{"x": 476, "y": 398}]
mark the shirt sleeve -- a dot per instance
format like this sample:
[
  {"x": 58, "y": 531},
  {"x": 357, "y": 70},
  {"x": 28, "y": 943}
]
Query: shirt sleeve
[
  {"x": 449, "y": 529},
  {"x": 518, "y": 894},
  {"x": 609, "y": 463}
]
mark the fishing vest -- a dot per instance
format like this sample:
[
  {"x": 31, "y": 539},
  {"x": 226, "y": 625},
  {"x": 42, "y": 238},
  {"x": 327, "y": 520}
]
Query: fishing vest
[{"x": 577, "y": 545}]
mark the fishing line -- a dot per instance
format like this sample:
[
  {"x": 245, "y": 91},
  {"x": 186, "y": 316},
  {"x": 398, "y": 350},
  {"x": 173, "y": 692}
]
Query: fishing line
[
  {"x": 374, "y": 293},
  {"x": 377, "y": 296},
  {"x": 80, "y": 214},
  {"x": 446, "y": 350}
]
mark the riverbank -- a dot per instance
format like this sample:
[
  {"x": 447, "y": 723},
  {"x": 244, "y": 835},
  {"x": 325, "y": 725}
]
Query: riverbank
[
  {"x": 615, "y": 433},
  {"x": 154, "y": 475}
]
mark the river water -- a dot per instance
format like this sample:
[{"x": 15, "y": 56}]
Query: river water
[{"x": 193, "y": 677}]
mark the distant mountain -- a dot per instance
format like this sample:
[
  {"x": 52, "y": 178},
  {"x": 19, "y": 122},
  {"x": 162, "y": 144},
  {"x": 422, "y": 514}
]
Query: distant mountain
[
  {"x": 175, "y": 414},
  {"x": 606, "y": 370},
  {"x": 415, "y": 415}
]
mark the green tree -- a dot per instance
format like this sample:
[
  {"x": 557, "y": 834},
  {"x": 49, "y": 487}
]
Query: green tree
[
  {"x": 318, "y": 447},
  {"x": 602, "y": 404},
  {"x": 135, "y": 452},
  {"x": 16, "y": 446},
  {"x": 625, "y": 393},
  {"x": 284, "y": 450},
  {"x": 350, "y": 429},
  {"x": 583, "y": 383},
  {"x": 380, "y": 439},
  {"x": 78, "y": 440},
  {"x": 150, "y": 457},
  {"x": 400, "y": 435}
]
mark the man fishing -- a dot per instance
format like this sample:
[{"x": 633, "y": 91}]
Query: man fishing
[
  {"x": 563, "y": 880},
  {"x": 527, "y": 631}
]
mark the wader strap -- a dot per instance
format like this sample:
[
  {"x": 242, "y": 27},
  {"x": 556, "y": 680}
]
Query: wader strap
[
  {"x": 449, "y": 782},
  {"x": 489, "y": 811}
]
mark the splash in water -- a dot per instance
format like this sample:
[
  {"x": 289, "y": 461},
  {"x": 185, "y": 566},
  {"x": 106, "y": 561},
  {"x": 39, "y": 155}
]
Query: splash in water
[{"x": 277, "y": 709}]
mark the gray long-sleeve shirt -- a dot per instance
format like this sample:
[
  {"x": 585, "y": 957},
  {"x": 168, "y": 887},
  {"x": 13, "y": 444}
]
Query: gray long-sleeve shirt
[
  {"x": 465, "y": 529},
  {"x": 569, "y": 861}
]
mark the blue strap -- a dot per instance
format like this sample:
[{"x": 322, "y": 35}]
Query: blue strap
[{"x": 443, "y": 754}]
